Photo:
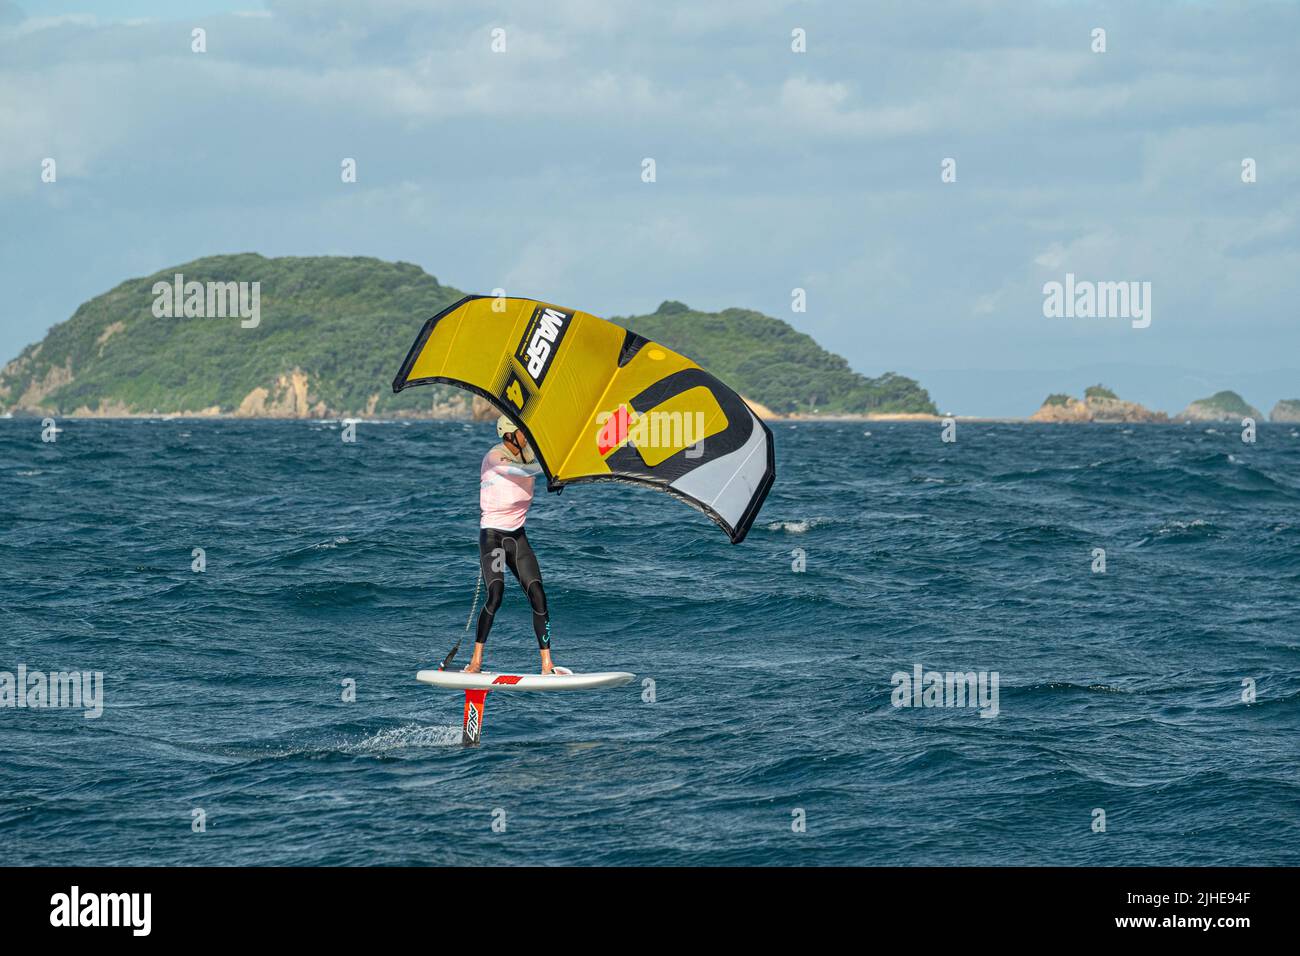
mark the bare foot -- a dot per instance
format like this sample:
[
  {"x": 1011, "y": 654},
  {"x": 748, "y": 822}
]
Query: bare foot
[{"x": 473, "y": 667}]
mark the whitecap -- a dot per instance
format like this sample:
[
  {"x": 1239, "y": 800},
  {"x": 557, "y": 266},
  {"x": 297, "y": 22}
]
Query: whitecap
[
  {"x": 795, "y": 527},
  {"x": 1176, "y": 527}
]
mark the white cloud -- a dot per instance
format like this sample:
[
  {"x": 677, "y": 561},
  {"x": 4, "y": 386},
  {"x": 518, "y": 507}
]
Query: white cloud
[{"x": 825, "y": 108}]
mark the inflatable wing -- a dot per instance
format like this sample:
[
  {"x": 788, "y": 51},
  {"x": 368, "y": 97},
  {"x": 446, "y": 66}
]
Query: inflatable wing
[{"x": 600, "y": 403}]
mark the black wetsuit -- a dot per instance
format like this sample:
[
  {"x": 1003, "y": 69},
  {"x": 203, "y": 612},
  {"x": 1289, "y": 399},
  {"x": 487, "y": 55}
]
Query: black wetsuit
[{"x": 498, "y": 550}]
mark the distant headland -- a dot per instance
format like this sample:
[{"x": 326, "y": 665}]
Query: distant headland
[
  {"x": 321, "y": 337},
  {"x": 1100, "y": 404}
]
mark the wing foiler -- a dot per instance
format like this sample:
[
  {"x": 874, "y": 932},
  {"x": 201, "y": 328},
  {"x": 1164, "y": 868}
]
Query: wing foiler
[{"x": 601, "y": 403}]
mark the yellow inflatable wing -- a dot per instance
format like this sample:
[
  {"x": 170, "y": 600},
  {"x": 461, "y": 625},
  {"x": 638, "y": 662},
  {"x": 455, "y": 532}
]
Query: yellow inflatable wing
[{"x": 601, "y": 403}]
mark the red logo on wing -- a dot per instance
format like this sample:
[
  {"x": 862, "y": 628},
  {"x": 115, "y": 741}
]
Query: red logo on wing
[{"x": 615, "y": 431}]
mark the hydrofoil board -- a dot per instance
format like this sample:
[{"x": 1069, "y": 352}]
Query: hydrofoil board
[
  {"x": 486, "y": 680},
  {"x": 476, "y": 687}
]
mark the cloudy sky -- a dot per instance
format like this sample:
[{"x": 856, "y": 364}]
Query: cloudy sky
[{"x": 775, "y": 169}]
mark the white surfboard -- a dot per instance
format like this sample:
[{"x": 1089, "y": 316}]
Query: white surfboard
[{"x": 486, "y": 680}]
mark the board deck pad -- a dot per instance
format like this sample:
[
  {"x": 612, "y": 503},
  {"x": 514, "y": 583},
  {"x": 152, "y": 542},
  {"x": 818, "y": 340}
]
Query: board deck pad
[
  {"x": 476, "y": 687},
  {"x": 487, "y": 680}
]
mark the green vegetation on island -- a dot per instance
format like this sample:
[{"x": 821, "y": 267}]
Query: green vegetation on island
[
  {"x": 1286, "y": 410},
  {"x": 332, "y": 332},
  {"x": 1220, "y": 407},
  {"x": 1099, "y": 404},
  {"x": 1099, "y": 391},
  {"x": 771, "y": 362}
]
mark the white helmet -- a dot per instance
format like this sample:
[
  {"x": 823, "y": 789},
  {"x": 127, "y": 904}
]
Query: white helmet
[{"x": 506, "y": 426}]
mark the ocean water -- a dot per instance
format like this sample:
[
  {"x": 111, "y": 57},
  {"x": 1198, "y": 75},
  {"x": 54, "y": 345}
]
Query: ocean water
[{"x": 761, "y": 728}]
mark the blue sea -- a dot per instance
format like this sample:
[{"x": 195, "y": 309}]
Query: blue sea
[{"x": 1162, "y": 692}]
